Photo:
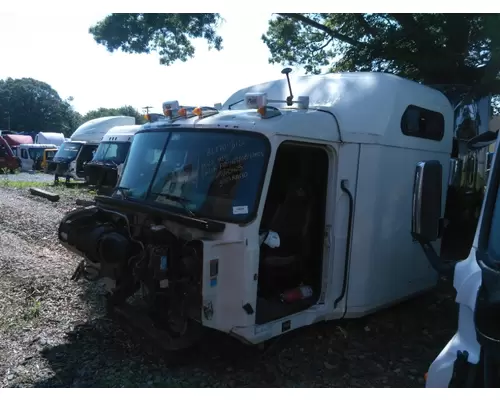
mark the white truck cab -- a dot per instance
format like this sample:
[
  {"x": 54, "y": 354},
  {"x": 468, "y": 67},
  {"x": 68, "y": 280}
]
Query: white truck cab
[
  {"x": 105, "y": 167},
  {"x": 31, "y": 155},
  {"x": 272, "y": 213},
  {"x": 50, "y": 138},
  {"x": 70, "y": 160},
  {"x": 472, "y": 357}
]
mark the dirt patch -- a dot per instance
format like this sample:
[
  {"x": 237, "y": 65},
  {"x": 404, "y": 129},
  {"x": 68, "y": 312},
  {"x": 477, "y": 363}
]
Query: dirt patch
[{"x": 53, "y": 332}]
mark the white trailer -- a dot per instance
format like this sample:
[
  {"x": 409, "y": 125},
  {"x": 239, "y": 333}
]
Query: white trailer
[{"x": 70, "y": 160}]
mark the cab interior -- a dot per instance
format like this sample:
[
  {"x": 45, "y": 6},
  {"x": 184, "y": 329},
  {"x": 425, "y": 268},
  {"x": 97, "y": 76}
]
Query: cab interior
[{"x": 295, "y": 209}]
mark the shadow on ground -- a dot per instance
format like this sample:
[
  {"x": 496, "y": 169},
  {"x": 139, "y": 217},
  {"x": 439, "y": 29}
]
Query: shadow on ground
[{"x": 391, "y": 348}]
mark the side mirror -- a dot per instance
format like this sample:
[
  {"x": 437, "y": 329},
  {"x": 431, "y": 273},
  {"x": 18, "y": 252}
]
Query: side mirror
[{"x": 427, "y": 192}]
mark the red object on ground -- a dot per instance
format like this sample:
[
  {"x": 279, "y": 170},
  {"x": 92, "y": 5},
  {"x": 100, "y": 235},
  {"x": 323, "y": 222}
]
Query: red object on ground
[{"x": 298, "y": 293}]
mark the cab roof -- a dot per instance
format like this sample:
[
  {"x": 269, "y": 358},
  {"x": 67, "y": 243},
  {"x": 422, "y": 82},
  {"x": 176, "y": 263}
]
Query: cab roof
[
  {"x": 358, "y": 107},
  {"x": 95, "y": 129}
]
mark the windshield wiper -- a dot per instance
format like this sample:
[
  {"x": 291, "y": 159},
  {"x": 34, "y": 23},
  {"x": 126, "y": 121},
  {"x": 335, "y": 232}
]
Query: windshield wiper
[{"x": 178, "y": 199}]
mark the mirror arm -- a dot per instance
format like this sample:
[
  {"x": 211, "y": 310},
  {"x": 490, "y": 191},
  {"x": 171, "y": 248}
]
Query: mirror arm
[{"x": 442, "y": 267}]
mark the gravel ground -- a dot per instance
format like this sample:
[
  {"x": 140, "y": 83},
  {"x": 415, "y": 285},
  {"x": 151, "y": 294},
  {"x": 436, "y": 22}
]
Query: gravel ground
[
  {"x": 27, "y": 177},
  {"x": 53, "y": 332}
]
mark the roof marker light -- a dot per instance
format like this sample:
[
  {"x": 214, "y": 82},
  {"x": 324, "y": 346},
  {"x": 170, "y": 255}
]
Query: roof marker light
[
  {"x": 303, "y": 102},
  {"x": 197, "y": 111},
  {"x": 268, "y": 112},
  {"x": 255, "y": 100},
  {"x": 169, "y": 106}
]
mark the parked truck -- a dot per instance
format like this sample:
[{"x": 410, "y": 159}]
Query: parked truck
[
  {"x": 105, "y": 168},
  {"x": 31, "y": 156},
  {"x": 14, "y": 140},
  {"x": 472, "y": 357},
  {"x": 54, "y": 138},
  {"x": 69, "y": 162},
  {"x": 273, "y": 212}
]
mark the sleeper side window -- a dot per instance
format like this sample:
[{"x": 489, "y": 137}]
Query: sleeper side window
[{"x": 422, "y": 123}]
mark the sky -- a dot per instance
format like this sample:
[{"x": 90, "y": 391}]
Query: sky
[{"x": 57, "y": 49}]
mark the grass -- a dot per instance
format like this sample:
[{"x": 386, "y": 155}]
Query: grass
[
  {"x": 74, "y": 190},
  {"x": 32, "y": 311},
  {"x": 22, "y": 184}
]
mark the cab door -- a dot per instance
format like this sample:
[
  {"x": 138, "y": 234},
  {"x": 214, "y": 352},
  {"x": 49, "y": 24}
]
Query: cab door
[{"x": 26, "y": 161}]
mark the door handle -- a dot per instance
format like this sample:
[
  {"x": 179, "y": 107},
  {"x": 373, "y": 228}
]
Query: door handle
[{"x": 328, "y": 236}]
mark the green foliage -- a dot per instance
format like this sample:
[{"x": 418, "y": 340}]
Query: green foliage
[
  {"x": 168, "y": 34},
  {"x": 430, "y": 48},
  {"x": 30, "y": 105},
  {"x": 109, "y": 112}
]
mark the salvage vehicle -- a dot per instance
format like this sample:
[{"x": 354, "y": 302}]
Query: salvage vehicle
[
  {"x": 50, "y": 138},
  {"x": 31, "y": 155},
  {"x": 48, "y": 155},
  {"x": 472, "y": 357},
  {"x": 8, "y": 160},
  {"x": 69, "y": 162},
  {"x": 14, "y": 140},
  {"x": 272, "y": 213},
  {"x": 105, "y": 168}
]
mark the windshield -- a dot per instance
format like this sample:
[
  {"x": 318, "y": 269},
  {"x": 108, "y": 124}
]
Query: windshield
[
  {"x": 115, "y": 152},
  {"x": 68, "y": 150},
  {"x": 213, "y": 174},
  {"x": 35, "y": 153},
  {"x": 49, "y": 154}
]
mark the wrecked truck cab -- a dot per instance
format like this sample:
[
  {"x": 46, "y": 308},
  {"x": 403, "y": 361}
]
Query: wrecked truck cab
[
  {"x": 70, "y": 160},
  {"x": 104, "y": 170},
  {"x": 270, "y": 214},
  {"x": 472, "y": 356}
]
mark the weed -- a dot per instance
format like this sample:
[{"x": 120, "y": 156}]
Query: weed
[{"x": 33, "y": 310}]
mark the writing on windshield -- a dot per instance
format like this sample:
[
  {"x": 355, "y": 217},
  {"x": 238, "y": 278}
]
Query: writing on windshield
[{"x": 218, "y": 174}]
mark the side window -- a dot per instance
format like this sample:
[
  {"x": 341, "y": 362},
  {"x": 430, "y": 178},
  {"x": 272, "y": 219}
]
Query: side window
[
  {"x": 422, "y": 123},
  {"x": 24, "y": 153},
  {"x": 3, "y": 153}
]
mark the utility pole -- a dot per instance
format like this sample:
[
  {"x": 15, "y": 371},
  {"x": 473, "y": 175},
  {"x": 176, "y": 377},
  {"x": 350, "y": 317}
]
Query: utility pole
[{"x": 146, "y": 111}]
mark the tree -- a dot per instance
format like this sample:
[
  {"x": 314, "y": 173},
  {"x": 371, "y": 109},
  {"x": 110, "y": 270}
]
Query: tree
[
  {"x": 108, "y": 112},
  {"x": 30, "y": 105},
  {"x": 71, "y": 118},
  {"x": 429, "y": 48},
  {"x": 168, "y": 34}
]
